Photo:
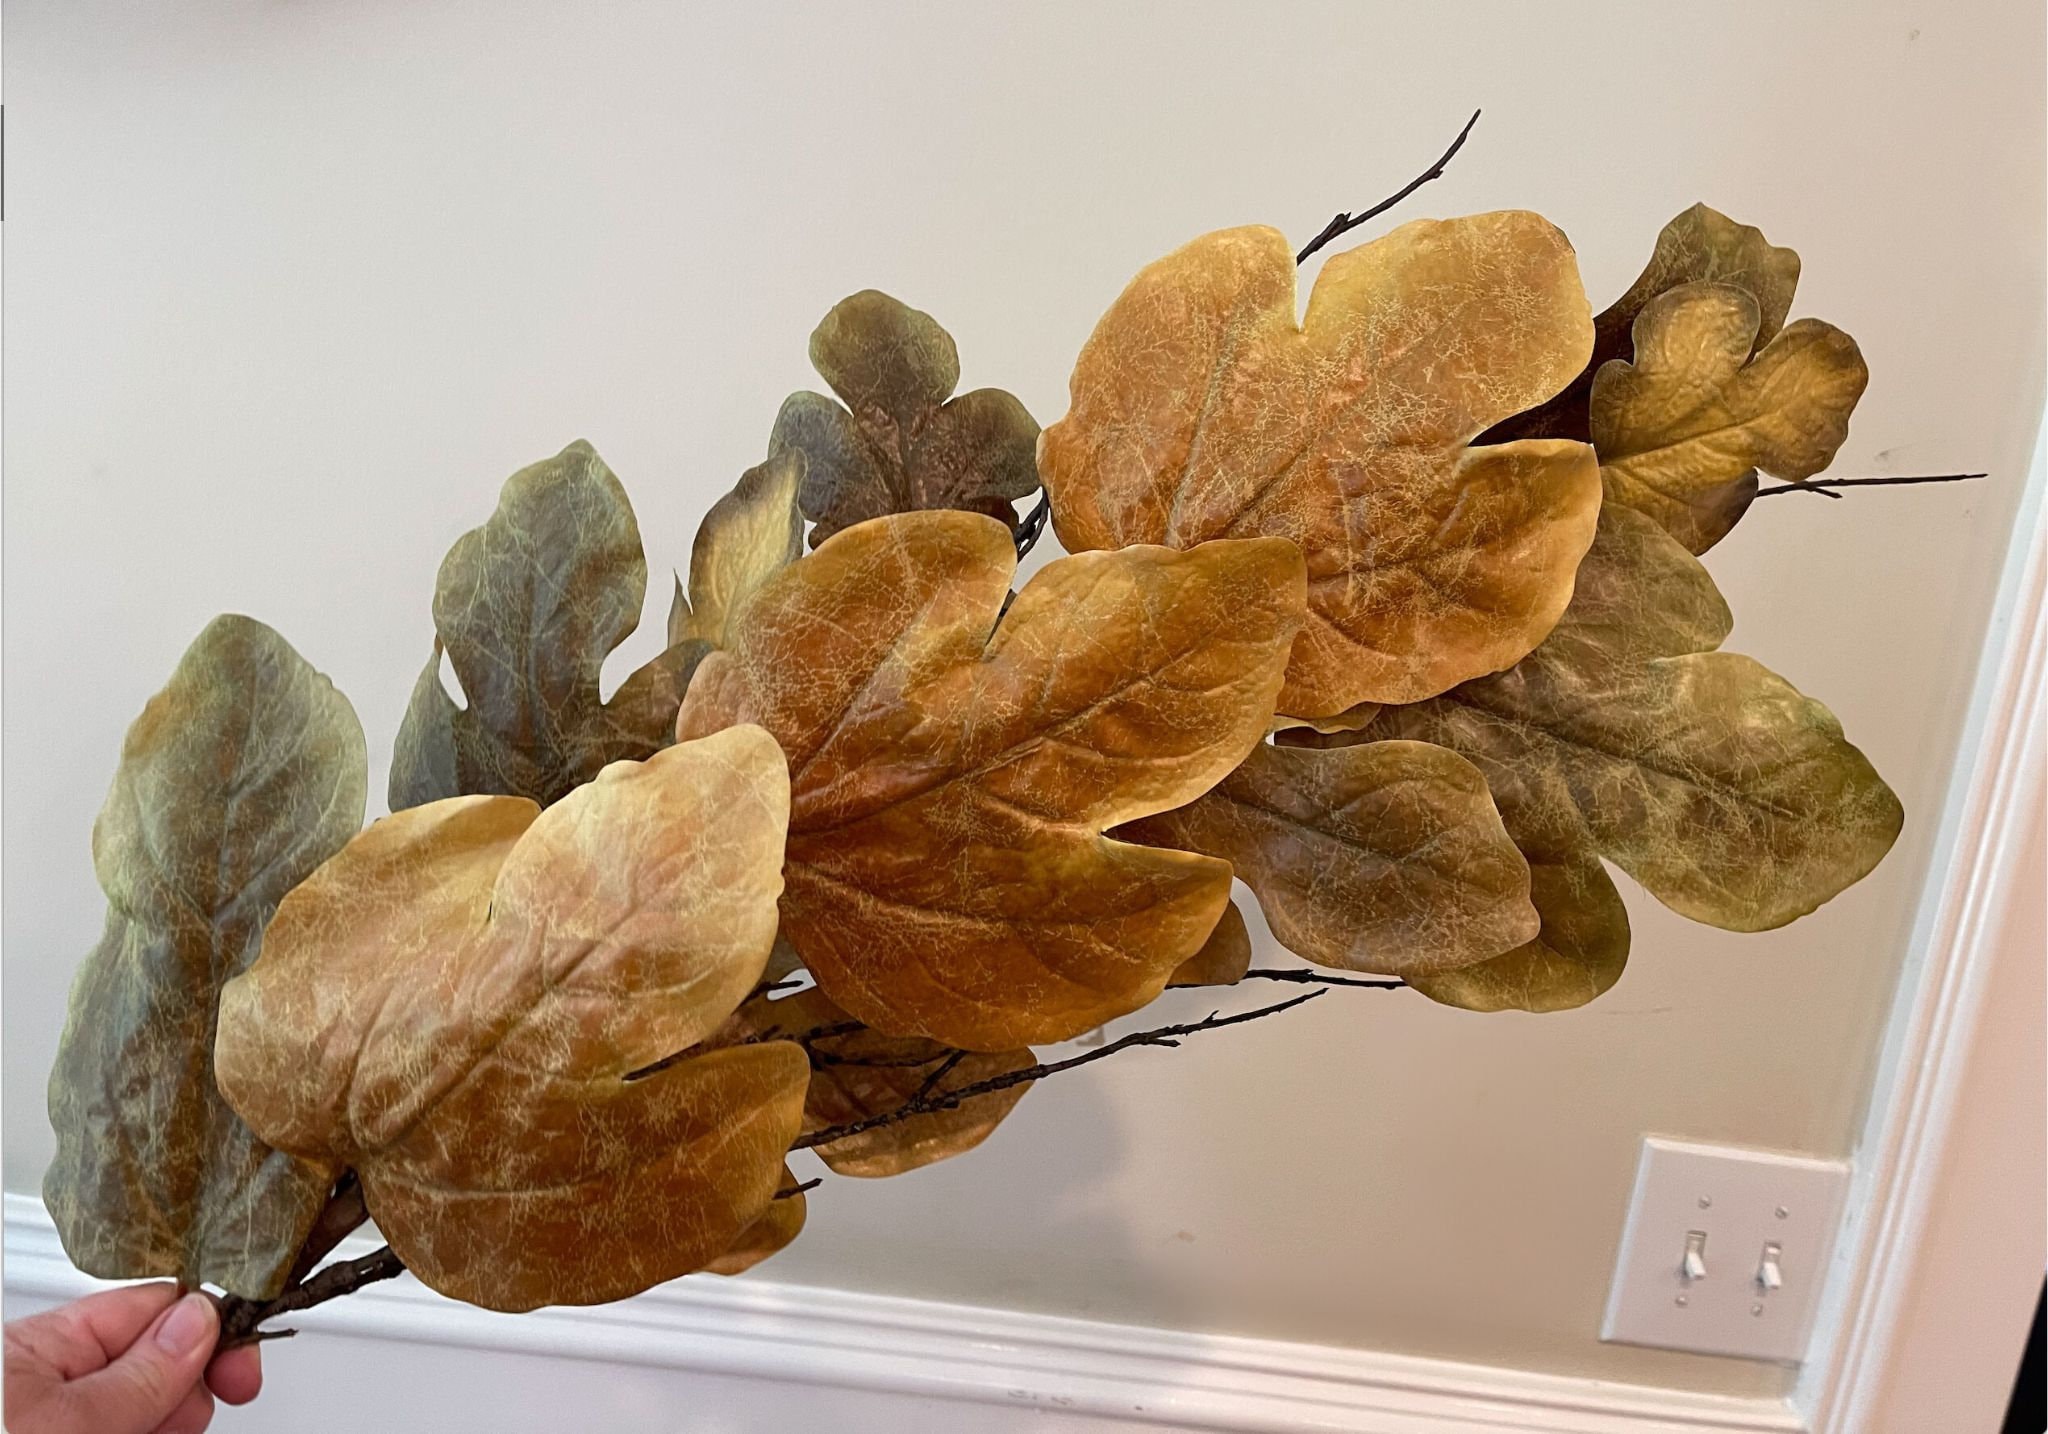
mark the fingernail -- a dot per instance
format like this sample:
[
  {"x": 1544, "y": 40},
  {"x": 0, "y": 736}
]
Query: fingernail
[{"x": 189, "y": 1324}]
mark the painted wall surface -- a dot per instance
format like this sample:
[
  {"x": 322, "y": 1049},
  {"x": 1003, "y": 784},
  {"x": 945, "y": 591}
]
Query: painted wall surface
[{"x": 292, "y": 287}]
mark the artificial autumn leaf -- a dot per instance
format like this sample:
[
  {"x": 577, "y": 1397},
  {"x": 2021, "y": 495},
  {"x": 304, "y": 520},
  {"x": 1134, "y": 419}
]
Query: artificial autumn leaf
[
  {"x": 1700, "y": 245},
  {"x": 527, "y": 607},
  {"x": 241, "y": 776},
  {"x": 1579, "y": 953},
  {"x": 1202, "y": 410},
  {"x": 749, "y": 535},
  {"x": 1385, "y": 856},
  {"x": 1224, "y": 957},
  {"x": 902, "y": 442},
  {"x": 1682, "y": 430},
  {"x": 456, "y": 1005},
  {"x": 858, "y": 1073},
  {"x": 1351, "y": 719},
  {"x": 1732, "y": 798},
  {"x": 772, "y": 1231},
  {"x": 952, "y": 776}
]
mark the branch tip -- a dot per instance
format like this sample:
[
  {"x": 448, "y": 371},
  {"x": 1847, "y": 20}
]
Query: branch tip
[{"x": 1345, "y": 223}]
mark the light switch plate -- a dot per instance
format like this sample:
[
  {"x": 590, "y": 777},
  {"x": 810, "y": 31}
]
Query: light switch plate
[{"x": 1734, "y": 1210}]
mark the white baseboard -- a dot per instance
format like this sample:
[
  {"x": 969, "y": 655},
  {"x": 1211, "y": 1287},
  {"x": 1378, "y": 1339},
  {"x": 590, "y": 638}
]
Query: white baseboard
[{"x": 755, "y": 1328}]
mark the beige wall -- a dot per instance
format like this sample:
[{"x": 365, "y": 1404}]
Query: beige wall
[{"x": 292, "y": 287}]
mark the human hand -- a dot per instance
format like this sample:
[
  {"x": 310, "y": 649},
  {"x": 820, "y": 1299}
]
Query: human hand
[{"x": 135, "y": 1360}]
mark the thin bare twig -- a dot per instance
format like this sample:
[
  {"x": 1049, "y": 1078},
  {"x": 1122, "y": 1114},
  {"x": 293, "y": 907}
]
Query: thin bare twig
[
  {"x": 933, "y": 1101},
  {"x": 1822, "y": 485},
  {"x": 770, "y": 1033},
  {"x": 1303, "y": 977},
  {"x": 1345, "y": 223},
  {"x": 794, "y": 1190},
  {"x": 945, "y": 1069},
  {"x": 1033, "y": 527}
]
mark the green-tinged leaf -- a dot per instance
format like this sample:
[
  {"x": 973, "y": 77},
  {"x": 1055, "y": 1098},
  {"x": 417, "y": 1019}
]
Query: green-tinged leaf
[
  {"x": 1579, "y": 953},
  {"x": 1682, "y": 430},
  {"x": 1699, "y": 246},
  {"x": 527, "y": 607},
  {"x": 749, "y": 535},
  {"x": 1732, "y": 798},
  {"x": 240, "y": 777},
  {"x": 902, "y": 442},
  {"x": 1386, "y": 856},
  {"x": 457, "y": 1004}
]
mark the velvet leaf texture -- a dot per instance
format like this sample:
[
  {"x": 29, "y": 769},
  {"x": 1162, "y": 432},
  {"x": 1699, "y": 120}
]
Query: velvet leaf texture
[
  {"x": 239, "y": 778},
  {"x": 458, "y": 1004},
  {"x": 527, "y": 607},
  {"x": 1733, "y": 798},
  {"x": 953, "y": 775},
  {"x": 1202, "y": 409},
  {"x": 1385, "y": 856},
  {"x": 899, "y": 440}
]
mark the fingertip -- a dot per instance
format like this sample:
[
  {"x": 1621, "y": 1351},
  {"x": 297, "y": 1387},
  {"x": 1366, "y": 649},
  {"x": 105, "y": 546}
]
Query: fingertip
[
  {"x": 236, "y": 1377},
  {"x": 189, "y": 1327}
]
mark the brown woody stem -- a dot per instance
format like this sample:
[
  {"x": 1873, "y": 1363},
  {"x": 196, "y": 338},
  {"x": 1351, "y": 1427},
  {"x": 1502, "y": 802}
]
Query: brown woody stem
[
  {"x": 1823, "y": 485},
  {"x": 241, "y": 1318},
  {"x": 1345, "y": 223},
  {"x": 930, "y": 1102},
  {"x": 1303, "y": 977}
]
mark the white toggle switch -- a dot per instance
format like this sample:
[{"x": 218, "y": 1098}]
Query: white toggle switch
[
  {"x": 1769, "y": 1276},
  {"x": 1770, "y": 1218},
  {"x": 1694, "y": 1265}
]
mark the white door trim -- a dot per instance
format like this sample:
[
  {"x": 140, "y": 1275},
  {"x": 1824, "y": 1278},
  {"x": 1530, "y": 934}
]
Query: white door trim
[{"x": 1975, "y": 880}]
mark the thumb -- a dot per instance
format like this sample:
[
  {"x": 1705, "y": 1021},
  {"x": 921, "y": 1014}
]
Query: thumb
[{"x": 137, "y": 1392}]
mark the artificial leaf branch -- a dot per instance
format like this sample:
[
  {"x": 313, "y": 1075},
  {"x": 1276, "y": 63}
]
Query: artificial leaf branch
[
  {"x": 242, "y": 1319},
  {"x": 1390, "y": 607}
]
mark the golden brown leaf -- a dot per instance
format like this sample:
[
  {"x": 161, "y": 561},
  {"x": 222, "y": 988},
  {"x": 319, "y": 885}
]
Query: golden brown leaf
[
  {"x": 902, "y": 443},
  {"x": 527, "y": 608},
  {"x": 1202, "y": 410},
  {"x": 1577, "y": 955},
  {"x": 1682, "y": 431},
  {"x": 771, "y": 1233},
  {"x": 1351, "y": 719},
  {"x": 749, "y": 535},
  {"x": 952, "y": 777},
  {"x": 1224, "y": 957},
  {"x": 242, "y": 775},
  {"x": 858, "y": 1073},
  {"x": 1386, "y": 856},
  {"x": 1732, "y": 798},
  {"x": 1700, "y": 245},
  {"x": 455, "y": 1005}
]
